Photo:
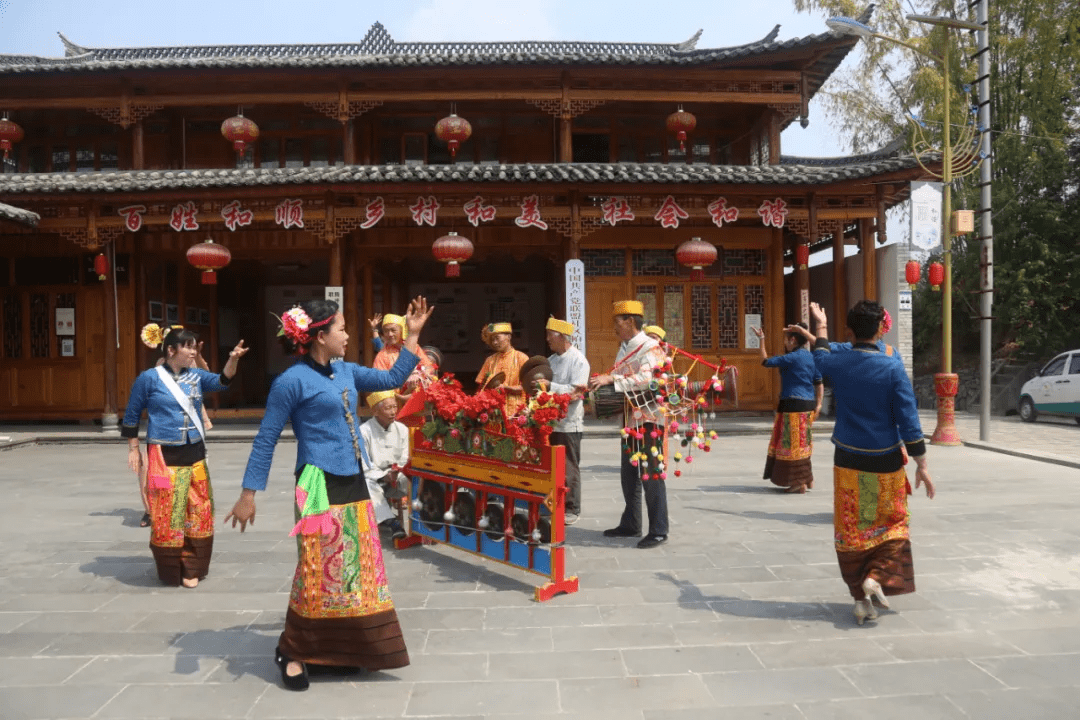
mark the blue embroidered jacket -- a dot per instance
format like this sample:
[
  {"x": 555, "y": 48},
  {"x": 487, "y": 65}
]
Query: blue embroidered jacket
[
  {"x": 881, "y": 345},
  {"x": 320, "y": 402},
  {"x": 798, "y": 374},
  {"x": 875, "y": 404},
  {"x": 167, "y": 423}
]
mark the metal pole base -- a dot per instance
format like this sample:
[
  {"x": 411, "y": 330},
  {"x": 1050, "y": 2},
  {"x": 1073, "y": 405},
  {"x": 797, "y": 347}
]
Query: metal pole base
[{"x": 946, "y": 385}]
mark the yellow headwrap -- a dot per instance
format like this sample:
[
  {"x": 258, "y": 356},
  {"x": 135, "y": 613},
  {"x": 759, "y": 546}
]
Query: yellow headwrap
[
  {"x": 153, "y": 334},
  {"x": 375, "y": 398},
  {"x": 491, "y": 328},
  {"x": 655, "y": 330},
  {"x": 559, "y": 326},
  {"x": 629, "y": 307},
  {"x": 397, "y": 320}
]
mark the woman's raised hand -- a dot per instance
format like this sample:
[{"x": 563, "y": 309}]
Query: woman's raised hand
[
  {"x": 375, "y": 323},
  {"x": 417, "y": 315}
]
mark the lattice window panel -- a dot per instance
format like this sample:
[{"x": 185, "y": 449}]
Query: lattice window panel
[
  {"x": 727, "y": 316},
  {"x": 654, "y": 263},
  {"x": 13, "y": 326},
  {"x": 647, "y": 295},
  {"x": 604, "y": 263},
  {"x": 674, "y": 322},
  {"x": 701, "y": 335},
  {"x": 39, "y": 325},
  {"x": 745, "y": 262},
  {"x": 754, "y": 300}
]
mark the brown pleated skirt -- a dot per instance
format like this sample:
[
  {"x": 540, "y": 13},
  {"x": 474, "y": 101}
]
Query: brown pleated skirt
[
  {"x": 889, "y": 563},
  {"x": 788, "y": 464},
  {"x": 340, "y": 611}
]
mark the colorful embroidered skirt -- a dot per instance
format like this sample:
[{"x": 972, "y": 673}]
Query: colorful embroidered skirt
[
  {"x": 790, "y": 447},
  {"x": 340, "y": 611},
  {"x": 182, "y": 518},
  {"x": 870, "y": 518}
]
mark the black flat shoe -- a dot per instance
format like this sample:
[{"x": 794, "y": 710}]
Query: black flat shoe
[
  {"x": 621, "y": 532},
  {"x": 292, "y": 682},
  {"x": 651, "y": 541},
  {"x": 145, "y": 522}
]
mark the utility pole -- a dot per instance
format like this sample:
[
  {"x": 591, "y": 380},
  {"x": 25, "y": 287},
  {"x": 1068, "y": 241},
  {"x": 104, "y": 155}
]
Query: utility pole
[{"x": 986, "y": 225}]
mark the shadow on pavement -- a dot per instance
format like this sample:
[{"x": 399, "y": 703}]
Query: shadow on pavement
[
  {"x": 245, "y": 649},
  {"x": 453, "y": 570},
  {"x": 748, "y": 489},
  {"x": 825, "y": 518},
  {"x": 130, "y": 517},
  {"x": 133, "y": 570},
  {"x": 839, "y": 614}
]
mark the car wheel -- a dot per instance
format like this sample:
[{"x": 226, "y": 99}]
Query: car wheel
[
  {"x": 1027, "y": 410},
  {"x": 1077, "y": 419}
]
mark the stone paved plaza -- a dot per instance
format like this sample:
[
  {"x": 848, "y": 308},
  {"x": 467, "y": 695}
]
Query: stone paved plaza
[{"x": 742, "y": 614}]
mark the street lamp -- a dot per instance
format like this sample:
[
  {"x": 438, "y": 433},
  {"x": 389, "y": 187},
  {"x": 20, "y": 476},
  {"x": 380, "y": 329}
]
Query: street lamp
[{"x": 956, "y": 162}]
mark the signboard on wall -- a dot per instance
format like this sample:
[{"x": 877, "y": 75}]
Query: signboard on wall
[
  {"x": 336, "y": 293},
  {"x": 750, "y": 340},
  {"x": 926, "y": 214},
  {"x": 575, "y": 301},
  {"x": 65, "y": 321}
]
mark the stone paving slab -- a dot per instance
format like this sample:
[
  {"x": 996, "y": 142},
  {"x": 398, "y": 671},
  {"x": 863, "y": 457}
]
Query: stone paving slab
[{"x": 741, "y": 614}]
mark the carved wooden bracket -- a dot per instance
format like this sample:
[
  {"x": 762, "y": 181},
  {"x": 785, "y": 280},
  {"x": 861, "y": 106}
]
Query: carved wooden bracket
[
  {"x": 566, "y": 227},
  {"x": 126, "y": 114},
  {"x": 344, "y": 109},
  {"x": 800, "y": 227},
  {"x": 332, "y": 231},
  {"x": 787, "y": 111},
  {"x": 91, "y": 237},
  {"x": 565, "y": 109}
]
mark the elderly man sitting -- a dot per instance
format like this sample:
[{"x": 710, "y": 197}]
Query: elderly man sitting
[{"x": 386, "y": 443}]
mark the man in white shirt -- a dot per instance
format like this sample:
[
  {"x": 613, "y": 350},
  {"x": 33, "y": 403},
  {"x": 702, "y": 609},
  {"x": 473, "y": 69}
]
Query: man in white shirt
[
  {"x": 638, "y": 355},
  {"x": 387, "y": 445},
  {"x": 570, "y": 376}
]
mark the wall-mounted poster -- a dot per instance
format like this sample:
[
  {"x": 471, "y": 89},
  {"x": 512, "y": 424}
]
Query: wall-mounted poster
[
  {"x": 751, "y": 341},
  {"x": 172, "y": 314},
  {"x": 67, "y": 347},
  {"x": 156, "y": 312},
  {"x": 65, "y": 321}
]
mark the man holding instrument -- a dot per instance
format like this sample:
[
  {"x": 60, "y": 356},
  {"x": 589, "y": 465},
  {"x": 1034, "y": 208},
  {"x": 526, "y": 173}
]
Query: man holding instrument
[
  {"x": 638, "y": 355},
  {"x": 570, "y": 374}
]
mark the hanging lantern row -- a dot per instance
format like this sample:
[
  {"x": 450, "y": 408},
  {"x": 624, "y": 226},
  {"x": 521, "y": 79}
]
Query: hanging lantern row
[
  {"x": 10, "y": 133},
  {"x": 696, "y": 254},
  {"x": 208, "y": 256},
  {"x": 802, "y": 255},
  {"x": 935, "y": 273},
  {"x": 452, "y": 249},
  {"x": 912, "y": 273},
  {"x": 681, "y": 122},
  {"x": 240, "y": 131}
]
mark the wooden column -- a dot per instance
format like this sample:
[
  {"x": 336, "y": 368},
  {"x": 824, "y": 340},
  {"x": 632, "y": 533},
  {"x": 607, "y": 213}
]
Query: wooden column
[
  {"x": 566, "y": 124},
  {"x": 839, "y": 279},
  {"x": 138, "y": 153},
  {"x": 774, "y": 139},
  {"x": 355, "y": 313},
  {"x": 575, "y": 229},
  {"x": 869, "y": 259},
  {"x": 335, "y": 249},
  {"x": 369, "y": 311},
  {"x": 109, "y": 420},
  {"x": 802, "y": 275},
  {"x": 348, "y": 142}
]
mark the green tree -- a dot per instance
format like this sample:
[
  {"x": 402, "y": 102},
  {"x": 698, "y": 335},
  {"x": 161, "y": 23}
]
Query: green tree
[{"x": 1035, "y": 81}]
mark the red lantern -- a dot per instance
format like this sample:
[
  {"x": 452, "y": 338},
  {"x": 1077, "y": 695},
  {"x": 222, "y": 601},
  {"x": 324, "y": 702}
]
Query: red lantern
[
  {"x": 101, "y": 266},
  {"x": 696, "y": 254},
  {"x": 681, "y": 122},
  {"x": 453, "y": 131},
  {"x": 10, "y": 133},
  {"x": 452, "y": 249},
  {"x": 937, "y": 275},
  {"x": 208, "y": 257},
  {"x": 240, "y": 131},
  {"x": 802, "y": 255},
  {"x": 912, "y": 273}
]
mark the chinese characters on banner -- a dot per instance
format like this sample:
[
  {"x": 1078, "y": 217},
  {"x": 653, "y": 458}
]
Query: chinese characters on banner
[
  {"x": 132, "y": 215},
  {"x": 426, "y": 210},
  {"x": 477, "y": 212},
  {"x": 616, "y": 210},
  {"x": 926, "y": 214},
  {"x": 289, "y": 213},
  {"x": 721, "y": 213},
  {"x": 773, "y": 212},
  {"x": 373, "y": 213},
  {"x": 575, "y": 301},
  {"x": 530, "y": 214},
  {"x": 235, "y": 216},
  {"x": 670, "y": 213},
  {"x": 182, "y": 217}
]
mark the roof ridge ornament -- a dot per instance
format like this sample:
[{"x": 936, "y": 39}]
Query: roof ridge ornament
[
  {"x": 688, "y": 45},
  {"x": 70, "y": 48},
  {"x": 772, "y": 34}
]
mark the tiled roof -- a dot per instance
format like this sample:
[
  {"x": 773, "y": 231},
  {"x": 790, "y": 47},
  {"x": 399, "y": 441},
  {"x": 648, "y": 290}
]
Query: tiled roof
[
  {"x": 130, "y": 181},
  {"x": 378, "y": 49},
  {"x": 26, "y": 217},
  {"x": 890, "y": 150}
]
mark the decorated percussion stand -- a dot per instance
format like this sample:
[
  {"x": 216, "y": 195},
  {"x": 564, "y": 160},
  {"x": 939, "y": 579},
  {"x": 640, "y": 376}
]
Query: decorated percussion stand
[{"x": 486, "y": 493}]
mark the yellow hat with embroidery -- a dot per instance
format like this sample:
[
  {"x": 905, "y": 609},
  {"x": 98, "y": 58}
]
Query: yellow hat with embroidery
[
  {"x": 655, "y": 330},
  {"x": 500, "y": 327},
  {"x": 629, "y": 307},
  {"x": 390, "y": 319},
  {"x": 375, "y": 398},
  {"x": 559, "y": 326}
]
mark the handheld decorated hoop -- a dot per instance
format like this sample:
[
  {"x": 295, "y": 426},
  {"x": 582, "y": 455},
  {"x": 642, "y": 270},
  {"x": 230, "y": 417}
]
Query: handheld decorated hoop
[
  {"x": 296, "y": 325},
  {"x": 153, "y": 334}
]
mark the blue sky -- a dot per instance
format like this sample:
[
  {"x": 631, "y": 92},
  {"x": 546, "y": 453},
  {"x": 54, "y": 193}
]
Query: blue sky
[{"x": 30, "y": 27}]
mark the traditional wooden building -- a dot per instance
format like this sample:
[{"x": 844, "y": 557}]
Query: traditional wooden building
[{"x": 347, "y": 185}]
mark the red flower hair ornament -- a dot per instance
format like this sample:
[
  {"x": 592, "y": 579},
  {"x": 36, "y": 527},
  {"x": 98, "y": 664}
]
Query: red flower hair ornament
[{"x": 296, "y": 325}]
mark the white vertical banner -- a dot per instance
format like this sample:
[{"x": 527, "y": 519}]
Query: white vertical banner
[
  {"x": 926, "y": 214},
  {"x": 336, "y": 293},
  {"x": 575, "y": 301}
]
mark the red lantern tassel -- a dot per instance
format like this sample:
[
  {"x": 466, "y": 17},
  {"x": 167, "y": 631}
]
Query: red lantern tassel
[
  {"x": 453, "y": 270},
  {"x": 209, "y": 277},
  {"x": 453, "y": 147},
  {"x": 682, "y": 140},
  {"x": 697, "y": 275}
]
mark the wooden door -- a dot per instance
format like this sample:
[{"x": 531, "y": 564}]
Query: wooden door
[{"x": 601, "y": 344}]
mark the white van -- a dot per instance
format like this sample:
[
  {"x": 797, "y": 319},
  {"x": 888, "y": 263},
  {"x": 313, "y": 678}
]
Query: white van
[{"x": 1055, "y": 390}]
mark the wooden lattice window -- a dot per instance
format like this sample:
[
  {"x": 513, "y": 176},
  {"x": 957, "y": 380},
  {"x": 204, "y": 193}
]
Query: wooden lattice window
[
  {"x": 727, "y": 316},
  {"x": 39, "y": 325},
  {"x": 13, "y": 326},
  {"x": 604, "y": 263},
  {"x": 674, "y": 322},
  {"x": 654, "y": 263},
  {"x": 701, "y": 335},
  {"x": 646, "y": 294}
]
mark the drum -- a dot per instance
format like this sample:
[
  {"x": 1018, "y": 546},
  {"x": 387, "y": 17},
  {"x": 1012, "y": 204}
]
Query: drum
[{"x": 605, "y": 402}]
